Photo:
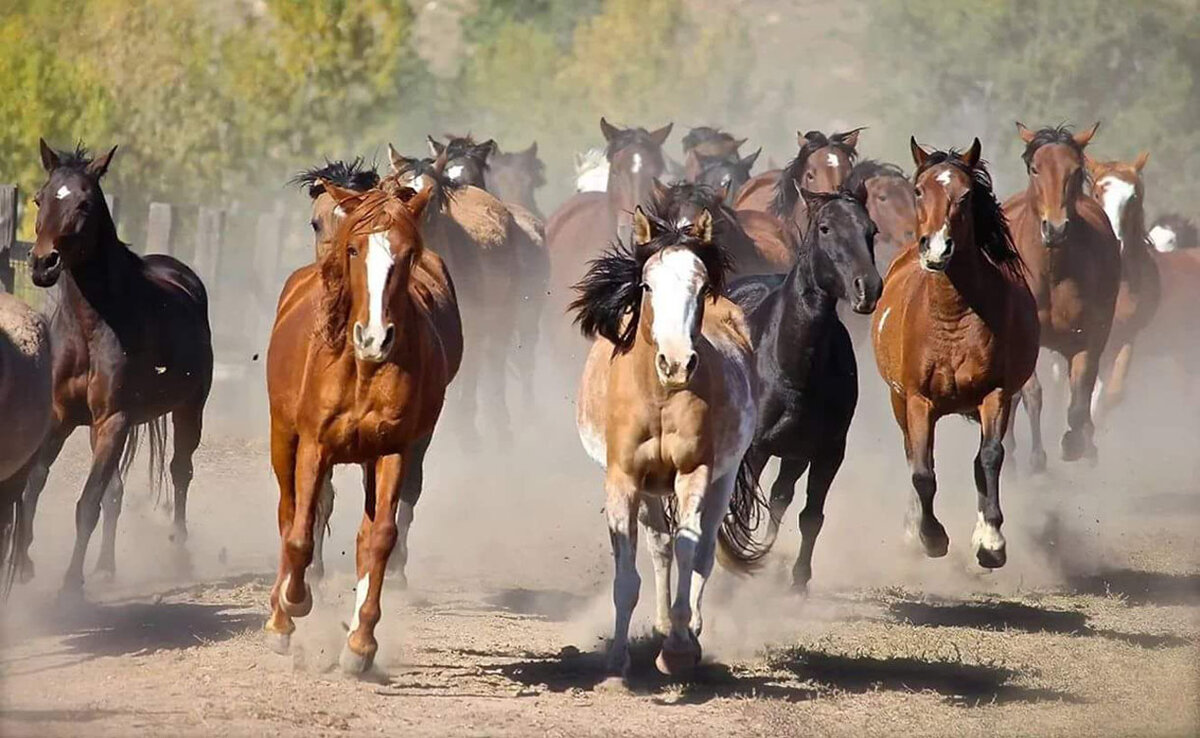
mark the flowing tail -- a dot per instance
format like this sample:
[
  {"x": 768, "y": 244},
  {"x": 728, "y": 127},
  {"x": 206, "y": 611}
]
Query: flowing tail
[
  {"x": 737, "y": 549},
  {"x": 157, "y": 432}
]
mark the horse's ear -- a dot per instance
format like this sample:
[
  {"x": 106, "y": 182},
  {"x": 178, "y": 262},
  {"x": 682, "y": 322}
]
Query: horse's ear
[
  {"x": 643, "y": 230},
  {"x": 439, "y": 164},
  {"x": 801, "y": 139},
  {"x": 850, "y": 138},
  {"x": 703, "y": 227},
  {"x": 418, "y": 200},
  {"x": 738, "y": 142},
  {"x": 919, "y": 155},
  {"x": 1025, "y": 134},
  {"x": 1140, "y": 163},
  {"x": 971, "y": 157},
  {"x": 397, "y": 161},
  {"x": 608, "y": 129},
  {"x": 100, "y": 164},
  {"x": 660, "y": 136},
  {"x": 748, "y": 162},
  {"x": 49, "y": 156},
  {"x": 1083, "y": 137},
  {"x": 579, "y": 160},
  {"x": 486, "y": 149},
  {"x": 347, "y": 200},
  {"x": 531, "y": 152},
  {"x": 435, "y": 147}
]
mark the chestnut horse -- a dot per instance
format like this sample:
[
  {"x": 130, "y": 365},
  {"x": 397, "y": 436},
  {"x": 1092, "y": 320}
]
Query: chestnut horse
[
  {"x": 131, "y": 343},
  {"x": 1073, "y": 262},
  {"x": 956, "y": 332},
  {"x": 667, "y": 407},
  {"x": 1119, "y": 189},
  {"x": 364, "y": 345},
  {"x": 821, "y": 165},
  {"x": 890, "y": 202}
]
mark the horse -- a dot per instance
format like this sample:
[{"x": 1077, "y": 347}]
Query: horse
[
  {"x": 709, "y": 141},
  {"x": 667, "y": 407},
  {"x": 1119, "y": 189},
  {"x": 591, "y": 171},
  {"x": 1177, "y": 253},
  {"x": 364, "y": 345},
  {"x": 956, "y": 332},
  {"x": 515, "y": 177},
  {"x": 466, "y": 160},
  {"x": 821, "y": 165},
  {"x": 805, "y": 361},
  {"x": 1173, "y": 232},
  {"x": 481, "y": 244},
  {"x": 890, "y": 202},
  {"x": 1073, "y": 262},
  {"x": 26, "y": 399},
  {"x": 584, "y": 224},
  {"x": 131, "y": 343},
  {"x": 711, "y": 157}
]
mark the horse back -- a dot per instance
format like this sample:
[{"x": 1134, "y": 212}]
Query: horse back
[
  {"x": 772, "y": 252},
  {"x": 171, "y": 273},
  {"x": 25, "y": 382},
  {"x": 758, "y": 191}
]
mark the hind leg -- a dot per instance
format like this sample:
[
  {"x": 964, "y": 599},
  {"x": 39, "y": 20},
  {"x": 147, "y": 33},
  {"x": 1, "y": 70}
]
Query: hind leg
[
  {"x": 783, "y": 491},
  {"x": 106, "y": 565},
  {"x": 321, "y": 525},
  {"x": 821, "y": 472},
  {"x": 923, "y": 525},
  {"x": 38, "y": 473},
  {"x": 410, "y": 492},
  {"x": 1031, "y": 398},
  {"x": 1108, "y": 396},
  {"x": 987, "y": 541},
  {"x": 187, "y": 421}
]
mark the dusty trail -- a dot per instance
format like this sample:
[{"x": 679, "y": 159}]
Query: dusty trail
[{"x": 1092, "y": 628}]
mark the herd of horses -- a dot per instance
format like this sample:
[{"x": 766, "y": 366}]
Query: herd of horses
[{"x": 713, "y": 300}]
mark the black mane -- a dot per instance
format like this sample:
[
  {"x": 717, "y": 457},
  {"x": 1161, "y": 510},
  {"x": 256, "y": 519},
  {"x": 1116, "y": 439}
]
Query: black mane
[
  {"x": 443, "y": 187},
  {"x": 869, "y": 169},
  {"x": 76, "y": 160},
  {"x": 1050, "y": 135},
  {"x": 354, "y": 175},
  {"x": 1186, "y": 235},
  {"x": 611, "y": 291},
  {"x": 786, "y": 193},
  {"x": 464, "y": 147},
  {"x": 705, "y": 134},
  {"x": 991, "y": 226}
]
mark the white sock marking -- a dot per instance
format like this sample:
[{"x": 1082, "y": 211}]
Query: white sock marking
[
  {"x": 360, "y": 597},
  {"x": 986, "y": 536}
]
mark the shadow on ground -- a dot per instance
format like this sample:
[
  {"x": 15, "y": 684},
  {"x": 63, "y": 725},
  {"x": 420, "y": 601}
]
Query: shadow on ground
[{"x": 1140, "y": 587}]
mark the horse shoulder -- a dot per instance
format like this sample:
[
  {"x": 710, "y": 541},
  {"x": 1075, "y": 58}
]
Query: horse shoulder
[
  {"x": 432, "y": 290},
  {"x": 483, "y": 218}
]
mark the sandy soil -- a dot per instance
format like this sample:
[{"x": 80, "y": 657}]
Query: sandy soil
[{"x": 1093, "y": 628}]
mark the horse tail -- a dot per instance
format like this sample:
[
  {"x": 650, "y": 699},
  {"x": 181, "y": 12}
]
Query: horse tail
[
  {"x": 156, "y": 431},
  {"x": 737, "y": 549}
]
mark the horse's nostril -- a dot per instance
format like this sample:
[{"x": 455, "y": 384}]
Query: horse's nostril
[
  {"x": 924, "y": 241},
  {"x": 52, "y": 259},
  {"x": 388, "y": 336},
  {"x": 860, "y": 286},
  {"x": 663, "y": 365},
  {"x": 949, "y": 243},
  {"x": 692, "y": 361}
]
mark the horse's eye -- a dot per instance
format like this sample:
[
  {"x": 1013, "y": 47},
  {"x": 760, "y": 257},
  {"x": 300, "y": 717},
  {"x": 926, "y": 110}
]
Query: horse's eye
[
  {"x": 1033, "y": 169},
  {"x": 352, "y": 250},
  {"x": 883, "y": 198},
  {"x": 824, "y": 230},
  {"x": 809, "y": 175},
  {"x": 917, "y": 192},
  {"x": 646, "y": 286},
  {"x": 316, "y": 225}
]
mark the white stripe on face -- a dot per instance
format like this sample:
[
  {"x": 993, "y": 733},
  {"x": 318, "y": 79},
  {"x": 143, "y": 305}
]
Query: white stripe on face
[
  {"x": 939, "y": 250},
  {"x": 832, "y": 159},
  {"x": 944, "y": 178},
  {"x": 455, "y": 172},
  {"x": 1116, "y": 194},
  {"x": 63, "y": 193},
  {"x": 379, "y": 266},
  {"x": 637, "y": 163},
  {"x": 675, "y": 280},
  {"x": 1162, "y": 238}
]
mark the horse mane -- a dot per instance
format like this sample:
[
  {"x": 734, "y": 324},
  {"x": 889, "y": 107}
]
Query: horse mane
[
  {"x": 869, "y": 169},
  {"x": 460, "y": 147},
  {"x": 705, "y": 134},
  {"x": 1050, "y": 135},
  {"x": 443, "y": 186},
  {"x": 786, "y": 193},
  {"x": 352, "y": 175},
  {"x": 991, "y": 225},
  {"x": 76, "y": 159},
  {"x": 626, "y": 137},
  {"x": 610, "y": 292},
  {"x": 1186, "y": 234}
]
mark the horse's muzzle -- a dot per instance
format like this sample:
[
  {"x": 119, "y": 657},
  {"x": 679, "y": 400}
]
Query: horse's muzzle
[
  {"x": 44, "y": 270},
  {"x": 674, "y": 374},
  {"x": 1054, "y": 233},
  {"x": 373, "y": 345},
  {"x": 866, "y": 294}
]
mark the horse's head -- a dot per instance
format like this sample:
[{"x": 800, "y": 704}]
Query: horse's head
[
  {"x": 635, "y": 158},
  {"x": 1117, "y": 186},
  {"x": 1055, "y": 161},
  {"x": 1172, "y": 232},
  {"x": 889, "y": 198},
  {"x": 821, "y": 165},
  {"x": 417, "y": 174},
  {"x": 466, "y": 161},
  {"x": 840, "y": 241},
  {"x": 957, "y": 209},
  {"x": 367, "y": 267},
  {"x": 515, "y": 176},
  {"x": 727, "y": 173},
  {"x": 72, "y": 214},
  {"x": 354, "y": 175}
]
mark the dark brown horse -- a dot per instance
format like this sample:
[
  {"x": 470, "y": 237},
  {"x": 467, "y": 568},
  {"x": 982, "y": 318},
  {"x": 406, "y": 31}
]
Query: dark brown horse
[
  {"x": 364, "y": 345},
  {"x": 821, "y": 166},
  {"x": 1073, "y": 265},
  {"x": 1119, "y": 189},
  {"x": 515, "y": 177},
  {"x": 710, "y": 157},
  {"x": 956, "y": 332},
  {"x": 131, "y": 343}
]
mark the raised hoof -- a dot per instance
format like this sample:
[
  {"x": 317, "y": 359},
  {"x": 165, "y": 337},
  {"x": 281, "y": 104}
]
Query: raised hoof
[
  {"x": 934, "y": 540},
  {"x": 280, "y": 643},
  {"x": 355, "y": 664},
  {"x": 296, "y": 609},
  {"x": 991, "y": 559}
]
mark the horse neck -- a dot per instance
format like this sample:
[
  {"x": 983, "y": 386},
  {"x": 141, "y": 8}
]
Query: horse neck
[
  {"x": 1134, "y": 246},
  {"x": 970, "y": 282},
  {"x": 101, "y": 286}
]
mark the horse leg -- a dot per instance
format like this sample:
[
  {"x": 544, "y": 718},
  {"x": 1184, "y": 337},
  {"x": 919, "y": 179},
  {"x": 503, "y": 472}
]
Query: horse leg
[
  {"x": 653, "y": 518},
  {"x": 1077, "y": 441},
  {"x": 620, "y": 506},
  {"x": 922, "y": 523},
  {"x": 295, "y": 595},
  {"x": 187, "y": 422},
  {"x": 783, "y": 491},
  {"x": 681, "y": 650},
  {"x": 279, "y": 625},
  {"x": 410, "y": 492},
  {"x": 106, "y": 565},
  {"x": 1031, "y": 398},
  {"x": 38, "y": 474},
  {"x": 321, "y": 526},
  {"x": 1109, "y": 395},
  {"x": 987, "y": 541},
  {"x": 110, "y": 436},
  {"x": 376, "y": 542},
  {"x": 821, "y": 472}
]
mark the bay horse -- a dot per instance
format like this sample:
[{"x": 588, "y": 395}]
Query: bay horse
[
  {"x": 1073, "y": 265},
  {"x": 805, "y": 361},
  {"x": 364, "y": 345},
  {"x": 515, "y": 177},
  {"x": 26, "y": 399},
  {"x": 888, "y": 194},
  {"x": 131, "y": 343},
  {"x": 956, "y": 332},
  {"x": 667, "y": 407},
  {"x": 1119, "y": 189}
]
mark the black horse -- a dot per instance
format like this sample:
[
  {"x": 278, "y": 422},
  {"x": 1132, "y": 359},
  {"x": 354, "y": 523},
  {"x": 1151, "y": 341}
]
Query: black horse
[{"x": 806, "y": 366}]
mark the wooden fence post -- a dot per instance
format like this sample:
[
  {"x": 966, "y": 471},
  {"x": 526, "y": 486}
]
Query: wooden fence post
[
  {"x": 159, "y": 229},
  {"x": 210, "y": 232},
  {"x": 8, "y": 235}
]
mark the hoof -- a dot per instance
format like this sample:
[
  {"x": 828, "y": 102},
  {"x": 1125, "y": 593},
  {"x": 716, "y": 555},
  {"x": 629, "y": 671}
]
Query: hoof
[
  {"x": 280, "y": 643},
  {"x": 934, "y": 540},
  {"x": 296, "y": 609},
  {"x": 675, "y": 659},
  {"x": 355, "y": 664},
  {"x": 991, "y": 559},
  {"x": 799, "y": 587},
  {"x": 1075, "y": 447},
  {"x": 104, "y": 576},
  {"x": 71, "y": 595},
  {"x": 613, "y": 685}
]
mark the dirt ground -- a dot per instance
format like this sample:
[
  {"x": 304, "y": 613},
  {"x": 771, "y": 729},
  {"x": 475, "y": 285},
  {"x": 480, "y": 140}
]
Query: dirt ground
[{"x": 1093, "y": 628}]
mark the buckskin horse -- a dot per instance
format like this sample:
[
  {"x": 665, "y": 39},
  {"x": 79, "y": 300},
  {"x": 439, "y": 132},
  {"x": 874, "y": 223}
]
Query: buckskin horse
[
  {"x": 805, "y": 361},
  {"x": 131, "y": 343},
  {"x": 956, "y": 332},
  {"x": 666, "y": 406},
  {"x": 1119, "y": 189},
  {"x": 364, "y": 346},
  {"x": 1073, "y": 265}
]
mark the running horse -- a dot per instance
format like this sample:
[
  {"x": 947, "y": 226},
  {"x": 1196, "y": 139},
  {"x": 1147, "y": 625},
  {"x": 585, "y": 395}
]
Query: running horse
[
  {"x": 1119, "y": 189},
  {"x": 956, "y": 332},
  {"x": 667, "y": 407},
  {"x": 515, "y": 177},
  {"x": 131, "y": 343},
  {"x": 1073, "y": 262},
  {"x": 710, "y": 157},
  {"x": 890, "y": 202},
  {"x": 364, "y": 345}
]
